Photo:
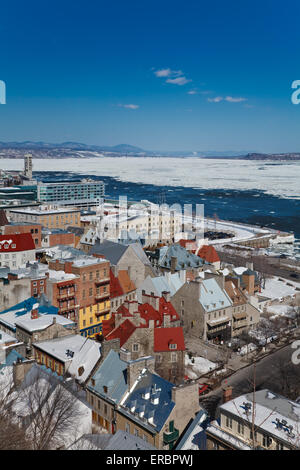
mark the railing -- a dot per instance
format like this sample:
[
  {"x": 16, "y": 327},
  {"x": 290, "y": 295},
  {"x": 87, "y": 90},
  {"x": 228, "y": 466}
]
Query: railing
[{"x": 170, "y": 437}]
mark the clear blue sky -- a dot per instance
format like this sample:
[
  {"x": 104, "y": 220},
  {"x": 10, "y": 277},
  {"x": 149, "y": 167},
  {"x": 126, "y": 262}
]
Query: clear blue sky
[{"x": 162, "y": 75}]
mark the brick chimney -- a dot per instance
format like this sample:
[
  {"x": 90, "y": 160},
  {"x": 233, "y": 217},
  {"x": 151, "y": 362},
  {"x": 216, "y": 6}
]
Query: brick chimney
[
  {"x": 68, "y": 267},
  {"x": 249, "y": 280},
  {"x": 166, "y": 295},
  {"x": 34, "y": 314},
  {"x": 227, "y": 393},
  {"x": 173, "y": 264}
]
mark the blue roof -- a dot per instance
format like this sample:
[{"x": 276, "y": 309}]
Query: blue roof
[
  {"x": 195, "y": 432},
  {"x": 160, "y": 388},
  {"x": 11, "y": 357},
  {"x": 212, "y": 296},
  {"x": 112, "y": 374},
  {"x": 26, "y": 307}
]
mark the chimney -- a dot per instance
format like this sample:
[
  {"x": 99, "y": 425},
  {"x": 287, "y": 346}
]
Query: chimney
[
  {"x": 249, "y": 265},
  {"x": 132, "y": 306},
  {"x": 20, "y": 369},
  {"x": 227, "y": 393},
  {"x": 173, "y": 264},
  {"x": 34, "y": 314},
  {"x": 182, "y": 275},
  {"x": 166, "y": 295},
  {"x": 54, "y": 320},
  {"x": 125, "y": 355},
  {"x": 134, "y": 369},
  {"x": 68, "y": 267},
  {"x": 129, "y": 270},
  {"x": 106, "y": 346},
  {"x": 115, "y": 270}
]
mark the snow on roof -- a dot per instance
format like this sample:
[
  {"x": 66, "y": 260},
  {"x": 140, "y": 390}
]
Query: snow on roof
[
  {"x": 276, "y": 288},
  {"x": 6, "y": 338},
  {"x": 240, "y": 270},
  {"x": 60, "y": 275},
  {"x": 86, "y": 353},
  {"x": 88, "y": 261},
  {"x": 270, "y": 410},
  {"x": 212, "y": 297},
  {"x": 217, "y": 431},
  {"x": 42, "y": 322}
]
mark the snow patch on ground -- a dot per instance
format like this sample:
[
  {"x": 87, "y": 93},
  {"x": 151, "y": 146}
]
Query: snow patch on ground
[{"x": 200, "y": 367}]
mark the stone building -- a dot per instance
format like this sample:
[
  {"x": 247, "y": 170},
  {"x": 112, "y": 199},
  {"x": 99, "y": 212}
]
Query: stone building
[
  {"x": 126, "y": 395},
  {"x": 125, "y": 257},
  {"x": 275, "y": 423},
  {"x": 34, "y": 327},
  {"x": 151, "y": 328},
  {"x": 205, "y": 308}
]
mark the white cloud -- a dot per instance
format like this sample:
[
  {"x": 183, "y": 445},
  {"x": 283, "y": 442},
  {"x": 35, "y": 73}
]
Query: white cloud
[
  {"x": 192, "y": 92},
  {"x": 231, "y": 99},
  {"x": 163, "y": 72},
  {"x": 167, "y": 73},
  {"x": 176, "y": 77},
  {"x": 129, "y": 106},
  {"x": 178, "y": 81},
  {"x": 217, "y": 99}
]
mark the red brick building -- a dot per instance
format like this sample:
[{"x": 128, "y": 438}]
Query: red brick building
[{"x": 34, "y": 229}]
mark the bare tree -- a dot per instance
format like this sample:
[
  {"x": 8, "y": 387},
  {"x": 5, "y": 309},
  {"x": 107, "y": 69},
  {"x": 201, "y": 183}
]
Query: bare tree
[
  {"x": 12, "y": 437},
  {"x": 44, "y": 410}
]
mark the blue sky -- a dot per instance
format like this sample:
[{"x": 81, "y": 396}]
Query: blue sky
[{"x": 162, "y": 75}]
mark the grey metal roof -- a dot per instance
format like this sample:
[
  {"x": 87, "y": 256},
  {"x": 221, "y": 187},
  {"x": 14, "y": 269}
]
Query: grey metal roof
[
  {"x": 184, "y": 258},
  {"x": 112, "y": 374},
  {"x": 119, "y": 441},
  {"x": 111, "y": 250}
]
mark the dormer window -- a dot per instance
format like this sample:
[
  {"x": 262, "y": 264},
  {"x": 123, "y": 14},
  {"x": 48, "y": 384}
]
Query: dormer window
[
  {"x": 105, "y": 388},
  {"x": 173, "y": 346}
]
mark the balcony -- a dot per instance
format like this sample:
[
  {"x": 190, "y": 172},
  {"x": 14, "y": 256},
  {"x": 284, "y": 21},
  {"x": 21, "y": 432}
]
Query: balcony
[
  {"x": 67, "y": 308},
  {"x": 102, "y": 312},
  {"x": 65, "y": 295},
  {"x": 104, "y": 280},
  {"x": 103, "y": 296},
  {"x": 170, "y": 437}
]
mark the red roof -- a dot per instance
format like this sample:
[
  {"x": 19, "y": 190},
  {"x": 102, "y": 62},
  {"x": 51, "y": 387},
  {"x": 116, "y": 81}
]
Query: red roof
[
  {"x": 164, "y": 338},
  {"x": 115, "y": 286},
  {"x": 17, "y": 242},
  {"x": 209, "y": 254},
  {"x": 123, "y": 332}
]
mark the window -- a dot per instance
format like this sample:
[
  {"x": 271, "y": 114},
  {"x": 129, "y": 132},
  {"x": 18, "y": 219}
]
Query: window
[
  {"x": 127, "y": 427},
  {"x": 135, "y": 347},
  {"x": 174, "y": 357},
  {"x": 240, "y": 428},
  {"x": 228, "y": 422},
  {"x": 136, "y": 432},
  {"x": 173, "y": 346}
]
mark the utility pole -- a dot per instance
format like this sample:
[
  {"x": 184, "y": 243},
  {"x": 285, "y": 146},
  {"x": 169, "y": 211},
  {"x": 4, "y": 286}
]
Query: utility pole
[{"x": 253, "y": 401}]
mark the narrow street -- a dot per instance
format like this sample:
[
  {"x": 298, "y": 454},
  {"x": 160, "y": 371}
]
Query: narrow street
[{"x": 267, "y": 375}]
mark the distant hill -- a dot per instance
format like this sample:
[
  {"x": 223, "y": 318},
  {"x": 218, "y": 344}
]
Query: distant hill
[{"x": 80, "y": 150}]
